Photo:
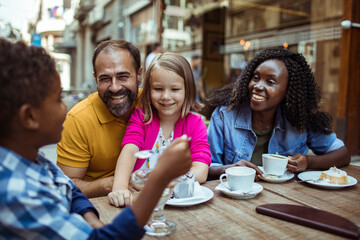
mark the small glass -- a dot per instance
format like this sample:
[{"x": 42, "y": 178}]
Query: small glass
[{"x": 158, "y": 225}]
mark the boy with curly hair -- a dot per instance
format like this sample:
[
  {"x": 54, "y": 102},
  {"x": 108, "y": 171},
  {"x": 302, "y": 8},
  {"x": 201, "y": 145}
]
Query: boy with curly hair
[{"x": 37, "y": 200}]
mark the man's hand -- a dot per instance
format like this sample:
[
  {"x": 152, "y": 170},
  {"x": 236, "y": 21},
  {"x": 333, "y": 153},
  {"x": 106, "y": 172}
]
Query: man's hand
[
  {"x": 97, "y": 188},
  {"x": 136, "y": 187}
]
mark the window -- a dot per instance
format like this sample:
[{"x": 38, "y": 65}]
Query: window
[{"x": 173, "y": 22}]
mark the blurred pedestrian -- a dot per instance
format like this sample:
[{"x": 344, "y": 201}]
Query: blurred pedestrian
[
  {"x": 196, "y": 65},
  {"x": 157, "y": 48}
]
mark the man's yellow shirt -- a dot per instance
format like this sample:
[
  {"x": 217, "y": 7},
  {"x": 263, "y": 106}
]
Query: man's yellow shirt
[{"x": 91, "y": 138}]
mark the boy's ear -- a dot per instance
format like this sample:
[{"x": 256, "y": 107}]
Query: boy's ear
[{"x": 27, "y": 117}]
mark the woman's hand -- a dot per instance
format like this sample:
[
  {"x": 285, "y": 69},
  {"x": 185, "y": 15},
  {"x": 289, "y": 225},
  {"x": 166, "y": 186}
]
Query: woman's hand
[
  {"x": 297, "y": 163},
  {"x": 120, "y": 198},
  {"x": 245, "y": 163}
]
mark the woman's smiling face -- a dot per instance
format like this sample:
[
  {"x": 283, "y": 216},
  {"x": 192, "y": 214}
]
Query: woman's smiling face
[{"x": 268, "y": 86}]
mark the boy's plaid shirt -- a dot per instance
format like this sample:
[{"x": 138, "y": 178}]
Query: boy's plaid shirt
[{"x": 26, "y": 215}]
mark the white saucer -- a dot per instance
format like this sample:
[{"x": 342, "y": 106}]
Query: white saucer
[
  {"x": 257, "y": 188},
  {"x": 207, "y": 194},
  {"x": 283, "y": 178},
  {"x": 316, "y": 174}
]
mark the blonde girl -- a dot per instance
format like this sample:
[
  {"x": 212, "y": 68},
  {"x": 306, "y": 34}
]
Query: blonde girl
[{"x": 168, "y": 97}]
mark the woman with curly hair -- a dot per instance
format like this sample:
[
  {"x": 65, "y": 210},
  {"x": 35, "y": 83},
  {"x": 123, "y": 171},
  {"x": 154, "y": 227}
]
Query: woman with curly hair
[{"x": 272, "y": 108}]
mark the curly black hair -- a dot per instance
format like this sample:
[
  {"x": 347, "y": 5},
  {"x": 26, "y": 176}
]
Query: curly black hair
[
  {"x": 301, "y": 104},
  {"x": 26, "y": 75}
]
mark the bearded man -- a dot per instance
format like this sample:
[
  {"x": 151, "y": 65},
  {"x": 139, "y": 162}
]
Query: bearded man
[{"x": 94, "y": 128}]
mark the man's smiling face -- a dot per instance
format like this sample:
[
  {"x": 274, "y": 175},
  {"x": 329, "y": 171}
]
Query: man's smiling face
[{"x": 117, "y": 81}]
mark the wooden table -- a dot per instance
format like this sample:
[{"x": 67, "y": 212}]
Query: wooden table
[{"x": 227, "y": 218}]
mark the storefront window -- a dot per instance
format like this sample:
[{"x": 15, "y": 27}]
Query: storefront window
[
  {"x": 173, "y": 2},
  {"x": 172, "y": 22},
  {"x": 242, "y": 28}
]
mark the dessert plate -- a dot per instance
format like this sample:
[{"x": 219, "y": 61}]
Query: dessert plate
[
  {"x": 257, "y": 188},
  {"x": 283, "y": 178},
  {"x": 316, "y": 174},
  {"x": 206, "y": 195}
]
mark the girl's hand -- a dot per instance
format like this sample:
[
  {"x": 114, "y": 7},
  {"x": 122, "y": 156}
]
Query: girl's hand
[
  {"x": 245, "y": 163},
  {"x": 120, "y": 198},
  {"x": 297, "y": 163}
]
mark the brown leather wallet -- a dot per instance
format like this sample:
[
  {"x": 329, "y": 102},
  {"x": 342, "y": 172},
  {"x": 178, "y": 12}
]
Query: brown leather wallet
[{"x": 311, "y": 217}]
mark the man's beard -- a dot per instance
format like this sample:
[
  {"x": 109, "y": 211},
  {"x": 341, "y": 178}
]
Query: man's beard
[{"x": 119, "y": 110}]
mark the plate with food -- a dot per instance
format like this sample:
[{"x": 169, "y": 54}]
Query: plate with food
[
  {"x": 276, "y": 179},
  {"x": 200, "y": 194},
  {"x": 331, "y": 179}
]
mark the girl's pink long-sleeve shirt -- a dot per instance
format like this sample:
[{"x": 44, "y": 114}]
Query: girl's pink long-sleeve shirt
[{"x": 144, "y": 135}]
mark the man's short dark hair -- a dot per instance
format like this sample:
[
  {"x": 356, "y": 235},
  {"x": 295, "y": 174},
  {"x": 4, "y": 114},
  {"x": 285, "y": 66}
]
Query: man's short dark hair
[
  {"x": 26, "y": 75},
  {"x": 116, "y": 44}
]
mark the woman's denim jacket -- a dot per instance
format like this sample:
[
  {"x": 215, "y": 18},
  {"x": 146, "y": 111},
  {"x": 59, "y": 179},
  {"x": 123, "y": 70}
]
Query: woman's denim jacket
[{"x": 232, "y": 139}]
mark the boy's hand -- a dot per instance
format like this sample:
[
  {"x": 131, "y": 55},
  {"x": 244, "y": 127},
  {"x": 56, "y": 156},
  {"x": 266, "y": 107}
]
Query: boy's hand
[
  {"x": 93, "y": 220},
  {"x": 175, "y": 160},
  {"x": 120, "y": 198}
]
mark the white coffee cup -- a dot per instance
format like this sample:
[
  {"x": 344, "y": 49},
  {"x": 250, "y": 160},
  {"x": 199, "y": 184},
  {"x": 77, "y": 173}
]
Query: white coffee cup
[
  {"x": 274, "y": 164},
  {"x": 239, "y": 178}
]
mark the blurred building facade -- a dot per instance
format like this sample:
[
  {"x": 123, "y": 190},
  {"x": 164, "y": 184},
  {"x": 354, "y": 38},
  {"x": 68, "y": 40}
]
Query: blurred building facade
[
  {"x": 140, "y": 22},
  {"x": 228, "y": 33},
  {"x": 7, "y": 31},
  {"x": 47, "y": 30}
]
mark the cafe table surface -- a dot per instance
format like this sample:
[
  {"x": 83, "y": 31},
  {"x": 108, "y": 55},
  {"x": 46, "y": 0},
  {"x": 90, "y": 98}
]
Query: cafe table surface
[{"x": 227, "y": 218}]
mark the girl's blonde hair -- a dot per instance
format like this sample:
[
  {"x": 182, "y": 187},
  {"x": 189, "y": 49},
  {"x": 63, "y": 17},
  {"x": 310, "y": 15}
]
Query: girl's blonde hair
[{"x": 179, "y": 65}]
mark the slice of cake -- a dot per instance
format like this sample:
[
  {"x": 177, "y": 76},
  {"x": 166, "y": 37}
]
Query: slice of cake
[
  {"x": 334, "y": 176},
  {"x": 185, "y": 189}
]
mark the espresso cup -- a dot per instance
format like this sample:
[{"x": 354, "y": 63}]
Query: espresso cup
[
  {"x": 239, "y": 178},
  {"x": 274, "y": 164}
]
